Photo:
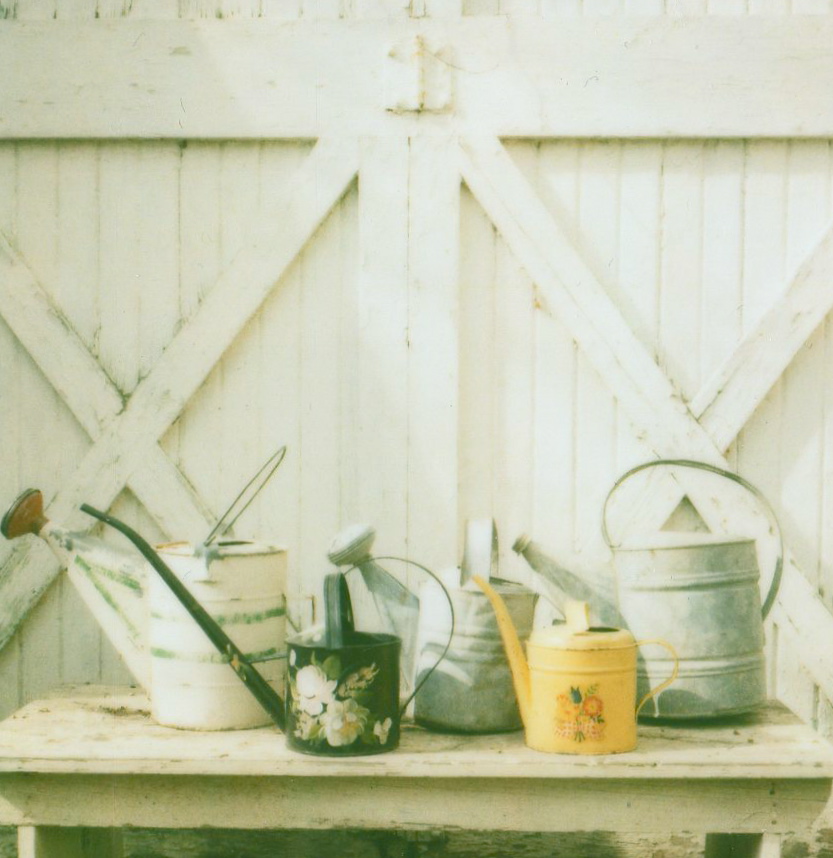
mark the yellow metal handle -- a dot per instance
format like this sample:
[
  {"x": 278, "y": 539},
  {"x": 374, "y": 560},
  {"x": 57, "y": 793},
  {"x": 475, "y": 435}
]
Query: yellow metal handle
[{"x": 663, "y": 685}]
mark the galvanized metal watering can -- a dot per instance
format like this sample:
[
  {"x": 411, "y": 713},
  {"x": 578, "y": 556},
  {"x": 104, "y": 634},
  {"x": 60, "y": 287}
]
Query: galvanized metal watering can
[
  {"x": 698, "y": 591},
  {"x": 470, "y": 690},
  {"x": 576, "y": 685},
  {"x": 240, "y": 584}
]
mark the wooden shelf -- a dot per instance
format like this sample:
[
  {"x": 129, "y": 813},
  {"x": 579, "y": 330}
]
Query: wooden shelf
[{"x": 109, "y": 731}]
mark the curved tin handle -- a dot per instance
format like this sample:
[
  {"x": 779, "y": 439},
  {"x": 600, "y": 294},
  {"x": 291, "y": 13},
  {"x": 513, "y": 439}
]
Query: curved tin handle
[
  {"x": 450, "y": 608},
  {"x": 338, "y": 611},
  {"x": 769, "y": 599},
  {"x": 663, "y": 685}
]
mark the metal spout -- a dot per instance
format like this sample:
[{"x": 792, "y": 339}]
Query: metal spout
[
  {"x": 514, "y": 649},
  {"x": 564, "y": 586},
  {"x": 397, "y": 605},
  {"x": 110, "y": 581}
]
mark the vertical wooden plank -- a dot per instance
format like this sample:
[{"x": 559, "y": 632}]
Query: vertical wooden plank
[
  {"x": 433, "y": 353},
  {"x": 764, "y": 251},
  {"x": 638, "y": 276},
  {"x": 77, "y": 10},
  {"x": 289, "y": 9},
  {"x": 769, "y": 7},
  {"x": 682, "y": 235},
  {"x": 278, "y": 398},
  {"x": 556, "y": 371},
  {"x": 826, "y": 527},
  {"x": 720, "y": 308},
  {"x": 9, "y": 423},
  {"x": 237, "y": 421},
  {"x": 477, "y": 260},
  {"x": 560, "y": 8},
  {"x": 320, "y": 453},
  {"x": 34, "y": 10},
  {"x": 519, "y": 8},
  {"x": 120, "y": 260},
  {"x": 200, "y": 260},
  {"x": 381, "y": 443},
  {"x": 481, "y": 7},
  {"x": 602, "y": 7},
  {"x": 41, "y": 420},
  {"x": 514, "y": 363},
  {"x": 808, "y": 205},
  {"x": 596, "y": 429},
  {"x": 685, "y": 7}
]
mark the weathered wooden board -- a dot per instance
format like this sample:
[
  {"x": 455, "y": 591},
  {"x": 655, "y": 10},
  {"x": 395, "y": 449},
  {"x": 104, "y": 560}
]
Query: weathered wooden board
[{"x": 264, "y": 79}]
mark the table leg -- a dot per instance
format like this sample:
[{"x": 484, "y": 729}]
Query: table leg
[
  {"x": 743, "y": 846},
  {"x": 53, "y": 842}
]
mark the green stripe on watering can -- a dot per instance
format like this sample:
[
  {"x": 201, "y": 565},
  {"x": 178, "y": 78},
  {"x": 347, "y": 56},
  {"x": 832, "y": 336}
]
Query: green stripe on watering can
[
  {"x": 119, "y": 577},
  {"x": 90, "y": 572},
  {"x": 213, "y": 657},
  {"x": 242, "y": 618}
]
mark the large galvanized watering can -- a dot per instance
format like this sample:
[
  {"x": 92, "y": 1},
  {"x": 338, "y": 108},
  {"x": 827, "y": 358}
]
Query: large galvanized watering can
[
  {"x": 241, "y": 584},
  {"x": 698, "y": 591},
  {"x": 471, "y": 688}
]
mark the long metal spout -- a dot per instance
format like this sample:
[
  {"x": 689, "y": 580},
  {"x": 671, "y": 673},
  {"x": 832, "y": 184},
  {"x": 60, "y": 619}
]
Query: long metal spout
[
  {"x": 565, "y": 586},
  {"x": 397, "y": 605}
]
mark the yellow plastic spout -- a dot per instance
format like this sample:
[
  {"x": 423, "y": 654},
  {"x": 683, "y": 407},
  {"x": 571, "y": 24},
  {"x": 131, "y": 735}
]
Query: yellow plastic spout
[{"x": 512, "y": 645}]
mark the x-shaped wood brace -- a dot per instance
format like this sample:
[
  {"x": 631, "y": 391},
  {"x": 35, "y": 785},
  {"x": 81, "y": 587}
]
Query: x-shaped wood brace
[{"x": 125, "y": 435}]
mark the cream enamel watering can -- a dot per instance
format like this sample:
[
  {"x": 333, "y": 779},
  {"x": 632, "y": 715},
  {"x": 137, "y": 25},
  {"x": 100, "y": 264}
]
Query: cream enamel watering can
[
  {"x": 698, "y": 591},
  {"x": 241, "y": 584},
  {"x": 576, "y": 687}
]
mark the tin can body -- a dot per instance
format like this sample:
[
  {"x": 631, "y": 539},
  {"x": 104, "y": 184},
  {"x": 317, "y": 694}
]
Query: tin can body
[
  {"x": 471, "y": 689},
  {"x": 704, "y": 599},
  {"x": 343, "y": 701},
  {"x": 581, "y": 701},
  {"x": 192, "y": 685}
]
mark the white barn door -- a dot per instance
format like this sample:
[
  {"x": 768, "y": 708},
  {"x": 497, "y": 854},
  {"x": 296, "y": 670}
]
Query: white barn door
[{"x": 463, "y": 264}]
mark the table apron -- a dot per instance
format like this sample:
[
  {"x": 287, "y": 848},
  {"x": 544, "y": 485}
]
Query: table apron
[{"x": 185, "y": 801}]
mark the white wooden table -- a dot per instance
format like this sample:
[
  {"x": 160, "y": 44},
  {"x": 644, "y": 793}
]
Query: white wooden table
[{"x": 76, "y": 767}]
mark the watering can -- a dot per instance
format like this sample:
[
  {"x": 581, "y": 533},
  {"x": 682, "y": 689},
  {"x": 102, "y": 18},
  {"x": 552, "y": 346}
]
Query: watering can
[
  {"x": 342, "y": 684},
  {"x": 576, "y": 686},
  {"x": 241, "y": 585},
  {"x": 699, "y": 591},
  {"x": 470, "y": 690}
]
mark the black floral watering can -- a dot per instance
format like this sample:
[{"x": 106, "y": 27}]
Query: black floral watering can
[{"x": 342, "y": 684}]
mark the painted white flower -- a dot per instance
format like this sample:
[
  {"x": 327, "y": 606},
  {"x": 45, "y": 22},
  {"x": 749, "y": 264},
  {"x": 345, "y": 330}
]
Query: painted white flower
[
  {"x": 315, "y": 691},
  {"x": 304, "y": 726},
  {"x": 344, "y": 722},
  {"x": 292, "y": 657},
  {"x": 381, "y": 730}
]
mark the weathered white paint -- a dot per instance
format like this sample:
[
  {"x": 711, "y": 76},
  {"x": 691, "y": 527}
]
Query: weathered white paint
[
  {"x": 572, "y": 77},
  {"x": 706, "y": 258}
]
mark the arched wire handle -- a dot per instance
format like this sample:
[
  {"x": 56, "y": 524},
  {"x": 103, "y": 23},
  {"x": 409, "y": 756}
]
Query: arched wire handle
[
  {"x": 269, "y": 466},
  {"x": 338, "y": 611},
  {"x": 769, "y": 601},
  {"x": 447, "y": 595}
]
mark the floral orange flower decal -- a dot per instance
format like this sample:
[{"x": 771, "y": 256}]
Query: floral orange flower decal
[{"x": 579, "y": 714}]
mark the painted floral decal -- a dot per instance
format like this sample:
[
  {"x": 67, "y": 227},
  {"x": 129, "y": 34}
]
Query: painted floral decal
[
  {"x": 331, "y": 708},
  {"x": 579, "y": 714}
]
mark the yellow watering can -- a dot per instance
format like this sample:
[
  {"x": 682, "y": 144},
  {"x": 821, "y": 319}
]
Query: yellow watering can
[{"x": 576, "y": 687}]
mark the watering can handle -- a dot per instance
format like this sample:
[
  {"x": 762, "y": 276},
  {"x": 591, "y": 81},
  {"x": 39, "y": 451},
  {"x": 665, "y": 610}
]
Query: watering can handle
[
  {"x": 663, "y": 685},
  {"x": 769, "y": 599},
  {"x": 338, "y": 611},
  {"x": 447, "y": 595}
]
